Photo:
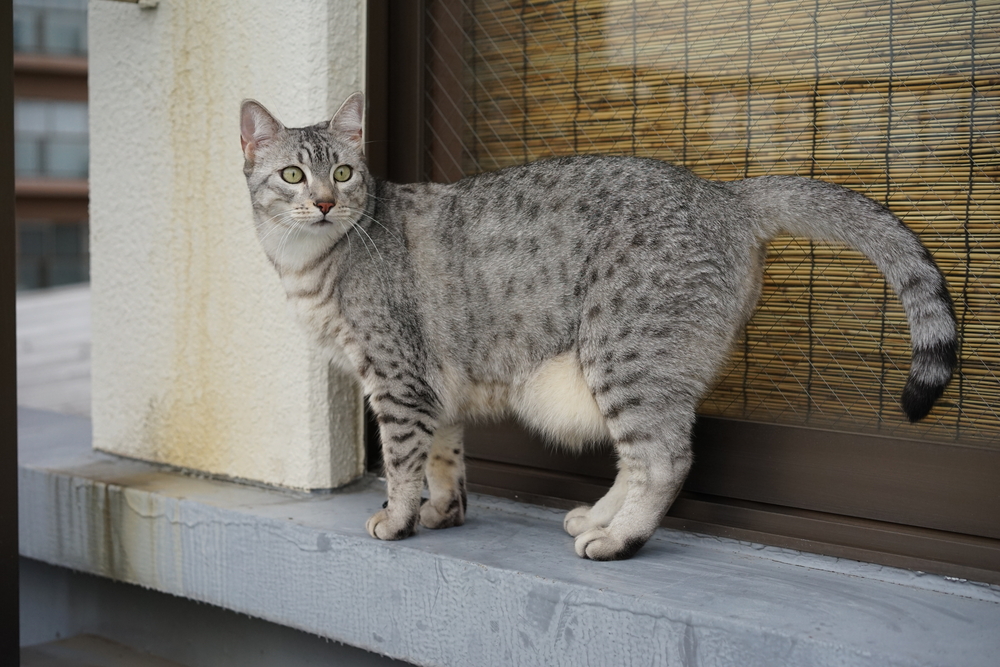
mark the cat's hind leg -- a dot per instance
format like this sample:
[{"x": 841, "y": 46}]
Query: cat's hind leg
[
  {"x": 647, "y": 392},
  {"x": 445, "y": 474},
  {"x": 654, "y": 459},
  {"x": 584, "y": 518}
]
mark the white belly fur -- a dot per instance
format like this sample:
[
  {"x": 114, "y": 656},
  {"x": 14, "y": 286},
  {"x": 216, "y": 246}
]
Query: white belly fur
[
  {"x": 553, "y": 400},
  {"x": 556, "y": 401}
]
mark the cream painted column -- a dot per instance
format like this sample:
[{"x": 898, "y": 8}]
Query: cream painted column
[{"x": 196, "y": 359}]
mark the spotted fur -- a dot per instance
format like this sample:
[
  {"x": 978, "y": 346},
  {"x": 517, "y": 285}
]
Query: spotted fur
[{"x": 594, "y": 297}]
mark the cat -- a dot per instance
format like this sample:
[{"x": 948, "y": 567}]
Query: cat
[{"x": 593, "y": 297}]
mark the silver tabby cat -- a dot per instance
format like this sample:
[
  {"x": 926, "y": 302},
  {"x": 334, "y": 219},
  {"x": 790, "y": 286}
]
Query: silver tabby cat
[{"x": 593, "y": 297}]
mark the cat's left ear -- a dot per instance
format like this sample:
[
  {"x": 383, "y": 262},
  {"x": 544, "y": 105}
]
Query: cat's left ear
[{"x": 347, "y": 122}]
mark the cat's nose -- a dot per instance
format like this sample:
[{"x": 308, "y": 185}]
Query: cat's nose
[{"x": 324, "y": 206}]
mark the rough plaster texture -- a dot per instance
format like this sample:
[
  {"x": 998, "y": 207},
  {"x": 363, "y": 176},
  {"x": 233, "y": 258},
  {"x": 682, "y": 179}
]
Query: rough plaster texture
[
  {"x": 505, "y": 589},
  {"x": 196, "y": 360},
  {"x": 57, "y": 602}
]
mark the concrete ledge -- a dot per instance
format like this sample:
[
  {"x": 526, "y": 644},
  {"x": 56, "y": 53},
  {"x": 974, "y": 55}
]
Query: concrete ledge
[
  {"x": 504, "y": 589},
  {"x": 57, "y": 603}
]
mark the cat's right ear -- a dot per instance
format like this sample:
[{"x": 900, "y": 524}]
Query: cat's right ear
[{"x": 257, "y": 127}]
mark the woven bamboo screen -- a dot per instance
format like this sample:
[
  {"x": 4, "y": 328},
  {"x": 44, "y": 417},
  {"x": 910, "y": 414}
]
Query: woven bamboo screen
[{"x": 898, "y": 100}]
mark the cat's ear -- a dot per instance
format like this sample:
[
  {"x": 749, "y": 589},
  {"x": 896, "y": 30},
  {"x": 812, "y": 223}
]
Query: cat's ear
[
  {"x": 257, "y": 127},
  {"x": 347, "y": 122}
]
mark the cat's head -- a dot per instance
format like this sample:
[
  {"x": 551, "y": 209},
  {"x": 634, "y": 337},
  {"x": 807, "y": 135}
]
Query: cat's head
[{"x": 308, "y": 185}]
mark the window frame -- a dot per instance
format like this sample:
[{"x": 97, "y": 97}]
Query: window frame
[
  {"x": 9, "y": 587},
  {"x": 894, "y": 501}
]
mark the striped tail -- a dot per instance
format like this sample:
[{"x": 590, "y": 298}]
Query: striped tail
[{"x": 827, "y": 212}]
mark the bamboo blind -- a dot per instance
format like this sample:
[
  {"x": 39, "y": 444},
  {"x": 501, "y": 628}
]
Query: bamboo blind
[{"x": 898, "y": 100}]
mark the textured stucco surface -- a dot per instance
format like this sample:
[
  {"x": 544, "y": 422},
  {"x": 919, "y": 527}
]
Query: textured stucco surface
[
  {"x": 196, "y": 360},
  {"x": 505, "y": 589},
  {"x": 58, "y": 602}
]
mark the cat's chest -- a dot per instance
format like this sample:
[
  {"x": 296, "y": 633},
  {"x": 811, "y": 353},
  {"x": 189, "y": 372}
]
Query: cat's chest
[
  {"x": 316, "y": 309},
  {"x": 329, "y": 330}
]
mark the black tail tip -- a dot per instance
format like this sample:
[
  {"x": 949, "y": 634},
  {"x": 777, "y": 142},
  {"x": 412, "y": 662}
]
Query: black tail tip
[
  {"x": 919, "y": 398},
  {"x": 931, "y": 369}
]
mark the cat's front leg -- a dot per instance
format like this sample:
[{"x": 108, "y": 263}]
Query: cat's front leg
[
  {"x": 407, "y": 428},
  {"x": 445, "y": 480}
]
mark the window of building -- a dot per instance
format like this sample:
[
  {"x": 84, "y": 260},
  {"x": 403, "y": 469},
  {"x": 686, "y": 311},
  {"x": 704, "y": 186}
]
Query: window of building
[
  {"x": 51, "y": 138},
  {"x": 54, "y": 27},
  {"x": 51, "y": 254}
]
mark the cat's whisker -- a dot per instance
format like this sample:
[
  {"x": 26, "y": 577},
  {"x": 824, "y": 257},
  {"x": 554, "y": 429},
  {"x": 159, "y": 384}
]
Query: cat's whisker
[
  {"x": 374, "y": 245},
  {"x": 365, "y": 244},
  {"x": 372, "y": 195},
  {"x": 377, "y": 222},
  {"x": 359, "y": 230},
  {"x": 282, "y": 218},
  {"x": 281, "y": 221},
  {"x": 380, "y": 266},
  {"x": 350, "y": 248},
  {"x": 284, "y": 225},
  {"x": 280, "y": 250}
]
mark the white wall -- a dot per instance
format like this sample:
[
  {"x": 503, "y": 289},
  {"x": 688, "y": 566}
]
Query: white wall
[{"x": 196, "y": 360}]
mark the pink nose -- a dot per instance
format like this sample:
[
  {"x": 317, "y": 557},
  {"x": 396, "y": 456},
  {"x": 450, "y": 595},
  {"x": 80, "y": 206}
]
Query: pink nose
[{"x": 324, "y": 206}]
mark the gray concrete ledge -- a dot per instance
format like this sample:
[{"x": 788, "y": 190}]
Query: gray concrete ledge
[
  {"x": 59, "y": 604},
  {"x": 505, "y": 589}
]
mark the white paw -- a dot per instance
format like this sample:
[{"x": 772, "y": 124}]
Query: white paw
[
  {"x": 578, "y": 521},
  {"x": 432, "y": 517},
  {"x": 384, "y": 526},
  {"x": 602, "y": 544}
]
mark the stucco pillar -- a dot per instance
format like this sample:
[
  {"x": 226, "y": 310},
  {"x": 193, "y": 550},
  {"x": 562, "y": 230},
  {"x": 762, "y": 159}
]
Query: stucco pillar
[{"x": 197, "y": 361}]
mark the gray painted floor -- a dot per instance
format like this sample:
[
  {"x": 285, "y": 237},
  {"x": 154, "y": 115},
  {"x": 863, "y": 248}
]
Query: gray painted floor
[{"x": 53, "y": 349}]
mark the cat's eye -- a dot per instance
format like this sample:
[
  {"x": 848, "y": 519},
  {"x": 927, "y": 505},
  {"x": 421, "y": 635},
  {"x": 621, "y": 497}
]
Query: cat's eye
[
  {"x": 292, "y": 175},
  {"x": 342, "y": 173}
]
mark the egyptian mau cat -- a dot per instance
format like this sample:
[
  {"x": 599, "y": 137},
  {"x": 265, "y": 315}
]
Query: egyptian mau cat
[{"x": 593, "y": 297}]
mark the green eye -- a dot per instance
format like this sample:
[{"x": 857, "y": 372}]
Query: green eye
[
  {"x": 292, "y": 175},
  {"x": 342, "y": 173}
]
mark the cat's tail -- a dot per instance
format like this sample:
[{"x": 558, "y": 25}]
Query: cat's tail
[{"x": 827, "y": 212}]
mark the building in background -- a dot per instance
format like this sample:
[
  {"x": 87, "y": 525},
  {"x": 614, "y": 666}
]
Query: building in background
[{"x": 51, "y": 141}]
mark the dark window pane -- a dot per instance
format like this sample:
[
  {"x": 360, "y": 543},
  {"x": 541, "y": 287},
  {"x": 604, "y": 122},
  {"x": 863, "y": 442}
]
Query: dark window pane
[
  {"x": 66, "y": 240},
  {"x": 52, "y": 254},
  {"x": 65, "y": 271},
  {"x": 29, "y": 273},
  {"x": 31, "y": 242}
]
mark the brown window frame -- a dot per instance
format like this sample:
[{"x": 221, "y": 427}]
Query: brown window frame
[{"x": 919, "y": 505}]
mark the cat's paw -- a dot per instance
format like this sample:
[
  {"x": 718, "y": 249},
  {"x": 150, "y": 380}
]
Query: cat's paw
[
  {"x": 578, "y": 521},
  {"x": 384, "y": 526},
  {"x": 602, "y": 544},
  {"x": 453, "y": 514}
]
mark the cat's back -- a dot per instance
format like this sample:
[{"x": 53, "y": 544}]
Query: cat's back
[
  {"x": 592, "y": 179},
  {"x": 511, "y": 256},
  {"x": 583, "y": 198}
]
